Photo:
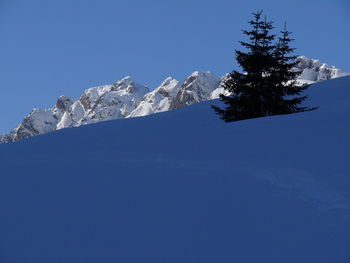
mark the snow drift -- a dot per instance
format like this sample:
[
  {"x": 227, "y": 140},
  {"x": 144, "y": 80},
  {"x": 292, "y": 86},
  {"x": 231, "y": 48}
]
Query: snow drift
[{"x": 183, "y": 186}]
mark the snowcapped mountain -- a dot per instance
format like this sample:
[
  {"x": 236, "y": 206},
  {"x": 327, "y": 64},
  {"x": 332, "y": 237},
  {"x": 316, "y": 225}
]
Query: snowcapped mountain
[
  {"x": 158, "y": 100},
  {"x": 313, "y": 71},
  {"x": 104, "y": 103},
  {"x": 126, "y": 99},
  {"x": 196, "y": 88},
  {"x": 172, "y": 94},
  {"x": 95, "y": 104}
]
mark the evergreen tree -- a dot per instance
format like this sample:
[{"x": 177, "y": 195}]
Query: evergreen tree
[
  {"x": 267, "y": 84},
  {"x": 287, "y": 89}
]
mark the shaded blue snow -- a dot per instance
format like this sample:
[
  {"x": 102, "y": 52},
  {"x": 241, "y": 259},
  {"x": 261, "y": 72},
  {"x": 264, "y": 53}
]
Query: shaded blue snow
[{"x": 183, "y": 186}]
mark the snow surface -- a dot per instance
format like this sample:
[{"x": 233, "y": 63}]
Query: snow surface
[{"x": 183, "y": 186}]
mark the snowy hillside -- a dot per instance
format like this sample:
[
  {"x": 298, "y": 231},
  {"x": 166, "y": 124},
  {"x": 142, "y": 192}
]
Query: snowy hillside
[
  {"x": 183, "y": 186},
  {"x": 126, "y": 99}
]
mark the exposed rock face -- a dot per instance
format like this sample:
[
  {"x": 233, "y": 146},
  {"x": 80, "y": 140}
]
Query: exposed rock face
[
  {"x": 62, "y": 105},
  {"x": 5, "y": 138},
  {"x": 172, "y": 94},
  {"x": 126, "y": 99},
  {"x": 94, "y": 105},
  {"x": 313, "y": 70},
  {"x": 159, "y": 99},
  {"x": 197, "y": 87},
  {"x": 104, "y": 103},
  {"x": 39, "y": 121}
]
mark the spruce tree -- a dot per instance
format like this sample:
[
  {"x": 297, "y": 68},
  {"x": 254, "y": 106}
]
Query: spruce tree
[
  {"x": 288, "y": 91},
  {"x": 250, "y": 91},
  {"x": 267, "y": 84}
]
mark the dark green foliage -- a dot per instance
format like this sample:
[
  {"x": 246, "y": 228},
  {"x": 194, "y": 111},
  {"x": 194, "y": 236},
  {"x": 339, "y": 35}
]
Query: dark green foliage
[
  {"x": 289, "y": 92},
  {"x": 267, "y": 86}
]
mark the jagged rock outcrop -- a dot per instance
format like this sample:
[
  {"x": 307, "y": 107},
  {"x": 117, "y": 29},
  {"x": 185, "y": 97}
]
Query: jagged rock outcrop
[
  {"x": 158, "y": 100},
  {"x": 197, "y": 87},
  {"x": 313, "y": 70},
  {"x": 62, "y": 105},
  {"x": 104, "y": 103},
  {"x": 39, "y": 121},
  {"x": 172, "y": 94},
  {"x": 126, "y": 99}
]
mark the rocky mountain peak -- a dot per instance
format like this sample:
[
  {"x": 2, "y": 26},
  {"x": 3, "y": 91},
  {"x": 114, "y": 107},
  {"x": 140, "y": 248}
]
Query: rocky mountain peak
[
  {"x": 313, "y": 70},
  {"x": 197, "y": 87},
  {"x": 127, "y": 85},
  {"x": 63, "y": 103},
  {"x": 126, "y": 99}
]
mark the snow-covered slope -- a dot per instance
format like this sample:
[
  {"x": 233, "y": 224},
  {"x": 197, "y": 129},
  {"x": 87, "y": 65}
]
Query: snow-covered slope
[
  {"x": 183, "y": 186},
  {"x": 126, "y": 99}
]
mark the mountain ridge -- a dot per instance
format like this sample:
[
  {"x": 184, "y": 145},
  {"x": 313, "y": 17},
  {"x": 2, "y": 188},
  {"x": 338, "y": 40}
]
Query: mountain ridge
[{"x": 126, "y": 99}]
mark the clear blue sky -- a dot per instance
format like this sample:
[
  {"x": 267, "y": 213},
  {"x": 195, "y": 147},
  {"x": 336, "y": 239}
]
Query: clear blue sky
[{"x": 49, "y": 48}]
